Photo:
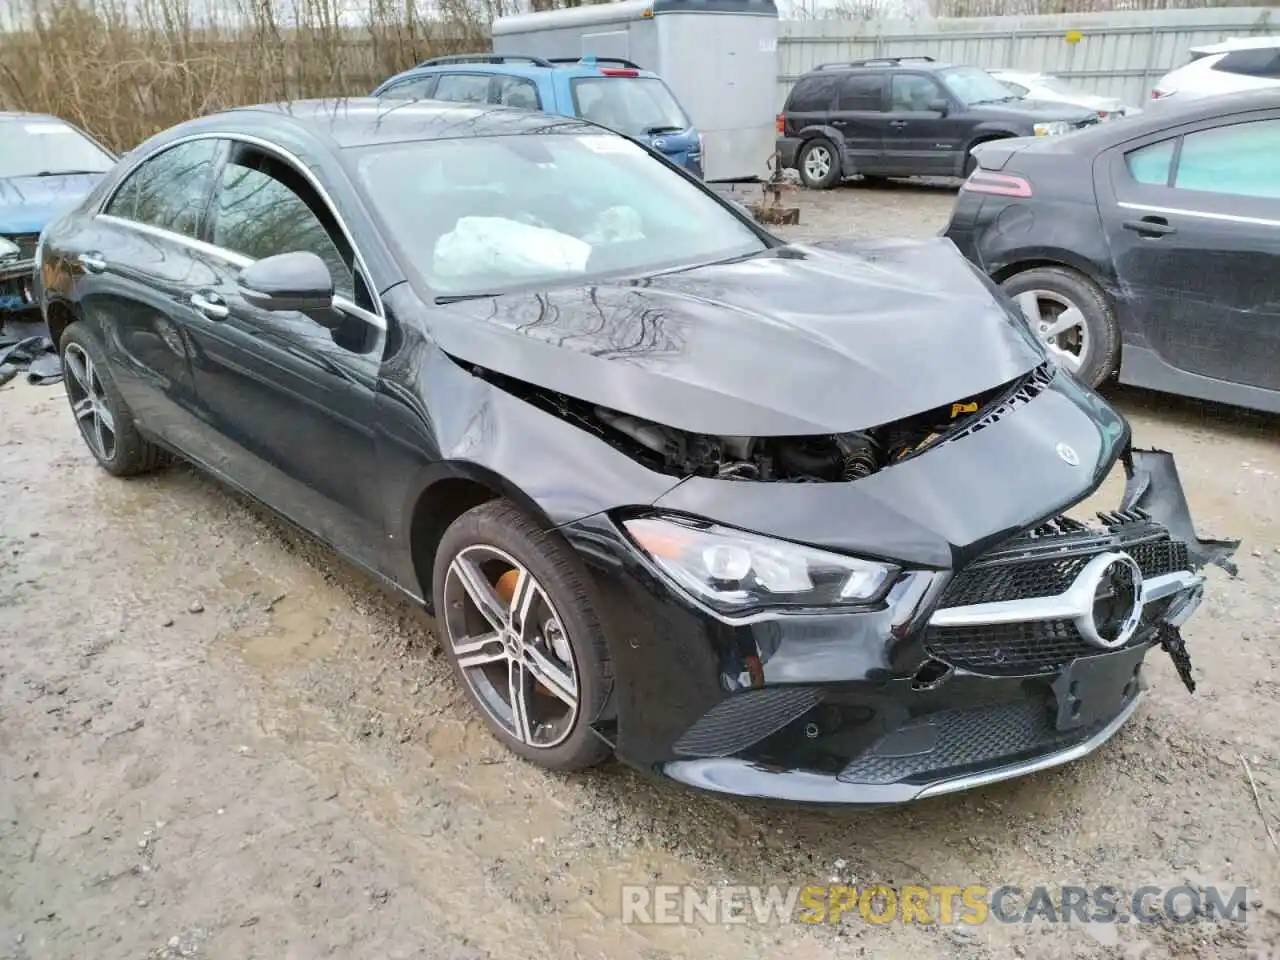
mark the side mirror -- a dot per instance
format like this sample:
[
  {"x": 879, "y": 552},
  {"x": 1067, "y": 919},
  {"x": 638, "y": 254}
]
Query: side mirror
[
  {"x": 940, "y": 106},
  {"x": 288, "y": 281}
]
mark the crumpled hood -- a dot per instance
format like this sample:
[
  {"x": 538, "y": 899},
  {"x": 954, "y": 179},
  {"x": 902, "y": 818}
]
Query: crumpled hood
[
  {"x": 29, "y": 204},
  {"x": 801, "y": 340}
]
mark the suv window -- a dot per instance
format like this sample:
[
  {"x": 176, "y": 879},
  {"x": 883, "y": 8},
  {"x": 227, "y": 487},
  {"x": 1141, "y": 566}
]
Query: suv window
[
  {"x": 814, "y": 93},
  {"x": 862, "y": 91},
  {"x": 912, "y": 92},
  {"x": 169, "y": 190},
  {"x": 1263, "y": 62},
  {"x": 264, "y": 207},
  {"x": 1234, "y": 160},
  {"x": 518, "y": 92},
  {"x": 415, "y": 88},
  {"x": 463, "y": 88}
]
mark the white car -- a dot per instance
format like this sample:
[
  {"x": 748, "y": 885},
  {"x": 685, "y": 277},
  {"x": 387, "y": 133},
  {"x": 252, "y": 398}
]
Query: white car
[
  {"x": 1241, "y": 63},
  {"x": 1047, "y": 88}
]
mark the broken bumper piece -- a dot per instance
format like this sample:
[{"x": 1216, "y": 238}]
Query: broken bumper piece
[{"x": 1031, "y": 658}]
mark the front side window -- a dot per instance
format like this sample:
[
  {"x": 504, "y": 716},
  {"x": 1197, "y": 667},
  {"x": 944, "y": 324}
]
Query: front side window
[
  {"x": 518, "y": 92},
  {"x": 1239, "y": 160},
  {"x": 416, "y": 88},
  {"x": 264, "y": 207},
  {"x": 972, "y": 86},
  {"x": 913, "y": 93},
  {"x": 635, "y": 106},
  {"x": 489, "y": 214},
  {"x": 463, "y": 88},
  {"x": 169, "y": 190},
  {"x": 44, "y": 147}
]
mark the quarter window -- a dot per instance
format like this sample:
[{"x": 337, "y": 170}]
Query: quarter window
[
  {"x": 264, "y": 207},
  {"x": 463, "y": 88},
  {"x": 815, "y": 93},
  {"x": 1151, "y": 164},
  {"x": 169, "y": 190}
]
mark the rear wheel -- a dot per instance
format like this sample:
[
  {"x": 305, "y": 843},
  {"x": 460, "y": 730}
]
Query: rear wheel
[
  {"x": 1073, "y": 318},
  {"x": 520, "y": 629},
  {"x": 819, "y": 164},
  {"x": 105, "y": 422}
]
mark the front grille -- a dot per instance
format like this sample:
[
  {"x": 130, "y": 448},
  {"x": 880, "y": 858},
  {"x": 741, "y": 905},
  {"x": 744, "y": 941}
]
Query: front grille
[
  {"x": 26, "y": 243},
  {"x": 1042, "y": 565}
]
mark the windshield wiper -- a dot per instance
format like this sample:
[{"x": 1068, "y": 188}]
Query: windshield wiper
[
  {"x": 654, "y": 131},
  {"x": 459, "y": 297},
  {"x": 62, "y": 173}
]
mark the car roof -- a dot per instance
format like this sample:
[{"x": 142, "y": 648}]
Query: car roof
[
  {"x": 364, "y": 121},
  {"x": 17, "y": 115},
  {"x": 517, "y": 65},
  {"x": 883, "y": 63},
  {"x": 1238, "y": 43}
]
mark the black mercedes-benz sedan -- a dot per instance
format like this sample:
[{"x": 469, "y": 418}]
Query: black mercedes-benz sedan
[
  {"x": 774, "y": 520},
  {"x": 1148, "y": 249}
]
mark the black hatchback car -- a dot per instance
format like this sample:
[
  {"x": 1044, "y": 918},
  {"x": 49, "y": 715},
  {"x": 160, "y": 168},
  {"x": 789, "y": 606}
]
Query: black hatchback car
[
  {"x": 773, "y": 520},
  {"x": 1148, "y": 249},
  {"x": 904, "y": 117}
]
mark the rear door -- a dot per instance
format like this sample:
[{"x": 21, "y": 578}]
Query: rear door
[
  {"x": 1193, "y": 221},
  {"x": 860, "y": 118}
]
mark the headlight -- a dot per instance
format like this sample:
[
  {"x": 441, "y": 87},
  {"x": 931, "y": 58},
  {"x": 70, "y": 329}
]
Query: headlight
[
  {"x": 1054, "y": 128},
  {"x": 735, "y": 572},
  {"x": 8, "y": 249}
]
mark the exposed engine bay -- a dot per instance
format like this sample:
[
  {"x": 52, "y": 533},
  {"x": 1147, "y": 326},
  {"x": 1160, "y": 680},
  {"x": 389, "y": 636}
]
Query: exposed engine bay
[{"x": 832, "y": 458}]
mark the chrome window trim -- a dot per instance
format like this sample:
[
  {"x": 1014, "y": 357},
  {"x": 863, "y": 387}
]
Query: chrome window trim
[
  {"x": 1205, "y": 214},
  {"x": 233, "y": 258},
  {"x": 284, "y": 155}
]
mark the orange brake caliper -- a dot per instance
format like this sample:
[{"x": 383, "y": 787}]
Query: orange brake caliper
[{"x": 505, "y": 588}]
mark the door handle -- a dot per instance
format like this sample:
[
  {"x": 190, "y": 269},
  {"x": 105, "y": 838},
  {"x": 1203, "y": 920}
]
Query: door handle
[
  {"x": 92, "y": 262},
  {"x": 1152, "y": 227},
  {"x": 210, "y": 305},
  {"x": 897, "y": 123}
]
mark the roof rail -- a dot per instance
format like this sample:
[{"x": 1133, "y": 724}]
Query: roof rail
[
  {"x": 589, "y": 58},
  {"x": 873, "y": 61},
  {"x": 484, "y": 58}
]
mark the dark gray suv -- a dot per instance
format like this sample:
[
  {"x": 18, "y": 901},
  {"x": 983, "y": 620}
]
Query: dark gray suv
[{"x": 904, "y": 117}]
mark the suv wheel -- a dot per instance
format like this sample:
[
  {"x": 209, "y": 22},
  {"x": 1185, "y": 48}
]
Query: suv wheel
[{"x": 819, "y": 164}]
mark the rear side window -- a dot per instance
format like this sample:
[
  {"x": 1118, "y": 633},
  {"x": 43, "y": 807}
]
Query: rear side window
[
  {"x": 861, "y": 91},
  {"x": 415, "y": 88},
  {"x": 815, "y": 93},
  {"x": 1233, "y": 160},
  {"x": 634, "y": 106},
  {"x": 518, "y": 92},
  {"x": 1264, "y": 62},
  {"x": 463, "y": 88},
  {"x": 169, "y": 190}
]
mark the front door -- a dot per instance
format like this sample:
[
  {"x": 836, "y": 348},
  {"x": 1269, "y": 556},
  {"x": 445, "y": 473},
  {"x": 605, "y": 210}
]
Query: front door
[
  {"x": 919, "y": 140},
  {"x": 291, "y": 400},
  {"x": 1193, "y": 221}
]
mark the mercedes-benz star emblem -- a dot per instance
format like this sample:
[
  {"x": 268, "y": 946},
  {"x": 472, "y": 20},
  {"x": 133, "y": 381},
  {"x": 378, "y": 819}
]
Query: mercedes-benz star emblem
[
  {"x": 1114, "y": 582},
  {"x": 659, "y": 144},
  {"x": 1068, "y": 454}
]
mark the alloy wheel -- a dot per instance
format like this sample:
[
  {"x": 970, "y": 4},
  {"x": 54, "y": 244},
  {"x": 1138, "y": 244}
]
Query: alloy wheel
[
  {"x": 511, "y": 646},
  {"x": 817, "y": 164},
  {"x": 1060, "y": 324},
  {"x": 89, "y": 403}
]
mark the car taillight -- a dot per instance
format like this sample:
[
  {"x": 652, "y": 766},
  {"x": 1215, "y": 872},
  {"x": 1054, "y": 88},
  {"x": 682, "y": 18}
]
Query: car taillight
[
  {"x": 780, "y": 123},
  {"x": 1000, "y": 184},
  {"x": 619, "y": 72},
  {"x": 702, "y": 147},
  {"x": 1158, "y": 94}
]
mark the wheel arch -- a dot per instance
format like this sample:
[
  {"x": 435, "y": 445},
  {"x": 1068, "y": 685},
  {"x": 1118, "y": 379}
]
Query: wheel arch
[
  {"x": 58, "y": 316},
  {"x": 450, "y": 490}
]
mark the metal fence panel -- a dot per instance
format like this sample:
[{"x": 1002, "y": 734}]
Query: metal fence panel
[{"x": 1118, "y": 54}]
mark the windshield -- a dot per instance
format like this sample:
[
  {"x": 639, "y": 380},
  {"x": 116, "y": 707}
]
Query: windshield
[
  {"x": 973, "y": 86},
  {"x": 32, "y": 146},
  {"x": 487, "y": 215},
  {"x": 635, "y": 106},
  {"x": 1062, "y": 87}
]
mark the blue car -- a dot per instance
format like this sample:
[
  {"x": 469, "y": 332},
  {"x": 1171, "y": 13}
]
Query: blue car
[
  {"x": 47, "y": 167},
  {"x": 612, "y": 92}
]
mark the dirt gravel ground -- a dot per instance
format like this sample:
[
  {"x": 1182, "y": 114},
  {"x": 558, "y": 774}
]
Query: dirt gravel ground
[{"x": 218, "y": 740}]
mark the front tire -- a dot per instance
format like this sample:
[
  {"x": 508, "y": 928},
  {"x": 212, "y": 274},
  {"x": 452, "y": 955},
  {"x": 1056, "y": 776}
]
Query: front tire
[
  {"x": 106, "y": 424},
  {"x": 1073, "y": 318},
  {"x": 518, "y": 624},
  {"x": 819, "y": 164}
]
